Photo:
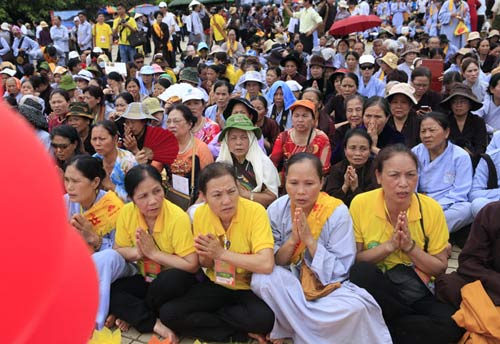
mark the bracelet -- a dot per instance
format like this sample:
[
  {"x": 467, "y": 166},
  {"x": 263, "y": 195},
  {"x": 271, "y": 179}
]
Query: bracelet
[
  {"x": 251, "y": 195},
  {"x": 411, "y": 248}
]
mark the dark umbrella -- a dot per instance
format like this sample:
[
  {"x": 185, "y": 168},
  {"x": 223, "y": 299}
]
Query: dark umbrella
[{"x": 354, "y": 24}]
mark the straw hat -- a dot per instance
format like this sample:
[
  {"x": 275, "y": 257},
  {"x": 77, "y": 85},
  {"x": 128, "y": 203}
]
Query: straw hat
[
  {"x": 493, "y": 33},
  {"x": 43, "y": 24},
  {"x": 152, "y": 105},
  {"x": 389, "y": 59},
  {"x": 136, "y": 111},
  {"x": 473, "y": 36}
]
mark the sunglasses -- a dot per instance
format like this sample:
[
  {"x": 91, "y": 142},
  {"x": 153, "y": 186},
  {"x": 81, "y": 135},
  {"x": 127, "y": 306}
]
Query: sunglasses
[
  {"x": 59, "y": 145},
  {"x": 365, "y": 67}
]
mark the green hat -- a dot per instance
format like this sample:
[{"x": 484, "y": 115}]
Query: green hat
[
  {"x": 239, "y": 121},
  {"x": 152, "y": 105},
  {"x": 44, "y": 65},
  {"x": 67, "y": 83},
  {"x": 80, "y": 109},
  {"x": 95, "y": 71},
  {"x": 189, "y": 74}
]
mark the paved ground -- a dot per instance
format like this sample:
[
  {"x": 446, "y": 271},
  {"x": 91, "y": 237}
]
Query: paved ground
[{"x": 134, "y": 337}]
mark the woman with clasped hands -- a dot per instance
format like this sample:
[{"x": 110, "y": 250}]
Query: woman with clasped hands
[
  {"x": 313, "y": 229},
  {"x": 402, "y": 242}
]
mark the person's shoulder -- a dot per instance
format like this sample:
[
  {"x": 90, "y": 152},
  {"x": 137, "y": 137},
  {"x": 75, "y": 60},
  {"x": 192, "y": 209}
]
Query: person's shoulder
[
  {"x": 128, "y": 210},
  {"x": 365, "y": 198}
]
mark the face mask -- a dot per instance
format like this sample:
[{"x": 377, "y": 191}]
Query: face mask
[{"x": 102, "y": 64}]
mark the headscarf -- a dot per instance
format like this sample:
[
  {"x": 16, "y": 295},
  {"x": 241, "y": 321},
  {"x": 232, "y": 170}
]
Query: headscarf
[
  {"x": 264, "y": 169},
  {"x": 288, "y": 96}
]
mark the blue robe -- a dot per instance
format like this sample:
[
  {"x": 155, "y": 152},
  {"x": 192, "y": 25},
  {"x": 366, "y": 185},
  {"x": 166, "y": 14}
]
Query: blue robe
[
  {"x": 479, "y": 195},
  {"x": 397, "y": 10},
  {"x": 449, "y": 24},
  {"x": 447, "y": 179},
  {"x": 375, "y": 87},
  {"x": 490, "y": 112}
]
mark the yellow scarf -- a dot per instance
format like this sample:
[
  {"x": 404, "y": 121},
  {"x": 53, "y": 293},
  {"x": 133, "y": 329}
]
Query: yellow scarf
[
  {"x": 159, "y": 33},
  {"x": 382, "y": 75},
  {"x": 321, "y": 211},
  {"x": 104, "y": 212},
  {"x": 450, "y": 7},
  {"x": 231, "y": 49}
]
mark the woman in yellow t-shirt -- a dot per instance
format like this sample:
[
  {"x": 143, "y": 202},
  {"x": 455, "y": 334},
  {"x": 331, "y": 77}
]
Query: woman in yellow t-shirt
[
  {"x": 402, "y": 243},
  {"x": 233, "y": 239},
  {"x": 156, "y": 234}
]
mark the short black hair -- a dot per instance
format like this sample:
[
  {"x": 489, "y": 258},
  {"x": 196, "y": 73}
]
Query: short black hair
[{"x": 137, "y": 174}]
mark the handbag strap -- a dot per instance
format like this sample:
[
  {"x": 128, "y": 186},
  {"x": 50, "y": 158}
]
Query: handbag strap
[
  {"x": 492, "y": 172},
  {"x": 426, "y": 238},
  {"x": 193, "y": 156}
]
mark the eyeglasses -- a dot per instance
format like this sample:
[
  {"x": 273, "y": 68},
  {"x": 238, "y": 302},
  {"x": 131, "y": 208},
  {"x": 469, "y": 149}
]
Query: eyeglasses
[
  {"x": 365, "y": 67},
  {"x": 175, "y": 121},
  {"x": 59, "y": 145}
]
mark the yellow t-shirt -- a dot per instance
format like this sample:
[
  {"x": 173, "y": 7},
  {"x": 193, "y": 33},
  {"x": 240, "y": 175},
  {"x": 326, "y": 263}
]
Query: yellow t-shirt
[
  {"x": 123, "y": 32},
  {"x": 217, "y": 18},
  {"x": 232, "y": 74},
  {"x": 249, "y": 233},
  {"x": 371, "y": 227},
  {"x": 172, "y": 232},
  {"x": 102, "y": 33}
]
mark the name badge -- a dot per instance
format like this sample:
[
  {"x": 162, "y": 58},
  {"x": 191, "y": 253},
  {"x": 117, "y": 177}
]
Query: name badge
[
  {"x": 149, "y": 269},
  {"x": 225, "y": 273}
]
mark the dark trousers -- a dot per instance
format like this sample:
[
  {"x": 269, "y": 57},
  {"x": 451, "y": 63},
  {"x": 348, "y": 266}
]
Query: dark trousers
[
  {"x": 424, "y": 321},
  {"x": 138, "y": 302},
  {"x": 214, "y": 313},
  {"x": 308, "y": 43}
]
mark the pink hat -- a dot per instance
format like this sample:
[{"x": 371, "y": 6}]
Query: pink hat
[
  {"x": 157, "y": 68},
  {"x": 16, "y": 29}
]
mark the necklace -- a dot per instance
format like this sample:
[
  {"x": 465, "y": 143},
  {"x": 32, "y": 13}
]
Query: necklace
[{"x": 187, "y": 146}]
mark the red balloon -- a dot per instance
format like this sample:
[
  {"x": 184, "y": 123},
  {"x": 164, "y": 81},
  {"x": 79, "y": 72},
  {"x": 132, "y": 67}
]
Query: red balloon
[{"x": 48, "y": 283}]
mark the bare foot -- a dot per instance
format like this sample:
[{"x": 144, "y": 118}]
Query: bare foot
[
  {"x": 122, "y": 325},
  {"x": 258, "y": 337},
  {"x": 165, "y": 332},
  {"x": 110, "y": 321}
]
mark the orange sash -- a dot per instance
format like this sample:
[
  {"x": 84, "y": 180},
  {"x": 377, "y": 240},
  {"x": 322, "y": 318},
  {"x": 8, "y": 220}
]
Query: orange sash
[{"x": 322, "y": 210}]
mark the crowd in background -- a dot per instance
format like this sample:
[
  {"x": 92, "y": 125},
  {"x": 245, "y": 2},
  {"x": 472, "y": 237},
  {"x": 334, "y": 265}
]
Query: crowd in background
[{"x": 261, "y": 178}]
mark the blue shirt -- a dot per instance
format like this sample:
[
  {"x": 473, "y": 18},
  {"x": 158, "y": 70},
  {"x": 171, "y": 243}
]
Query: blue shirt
[{"x": 448, "y": 178}]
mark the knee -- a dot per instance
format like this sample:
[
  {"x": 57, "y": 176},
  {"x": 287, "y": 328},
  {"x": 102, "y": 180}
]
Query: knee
[{"x": 363, "y": 273}]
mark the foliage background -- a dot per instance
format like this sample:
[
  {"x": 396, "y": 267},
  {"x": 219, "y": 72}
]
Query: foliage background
[{"x": 30, "y": 10}]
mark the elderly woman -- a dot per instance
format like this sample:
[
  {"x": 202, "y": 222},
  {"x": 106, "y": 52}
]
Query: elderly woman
[
  {"x": 157, "y": 235},
  {"x": 194, "y": 154},
  {"x": 116, "y": 161},
  {"x": 445, "y": 171},
  {"x": 354, "y": 174},
  {"x": 376, "y": 113},
  {"x": 233, "y": 240},
  {"x": 349, "y": 83},
  {"x": 280, "y": 97},
  {"x": 65, "y": 143},
  {"x": 402, "y": 241},
  {"x": 466, "y": 130},
  {"x": 205, "y": 129},
  {"x": 135, "y": 122},
  {"x": 313, "y": 233},
  {"x": 404, "y": 119},
  {"x": 31, "y": 107},
  {"x": 252, "y": 84},
  {"x": 80, "y": 117},
  {"x": 93, "y": 213},
  {"x": 303, "y": 137},
  {"x": 257, "y": 177}
]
